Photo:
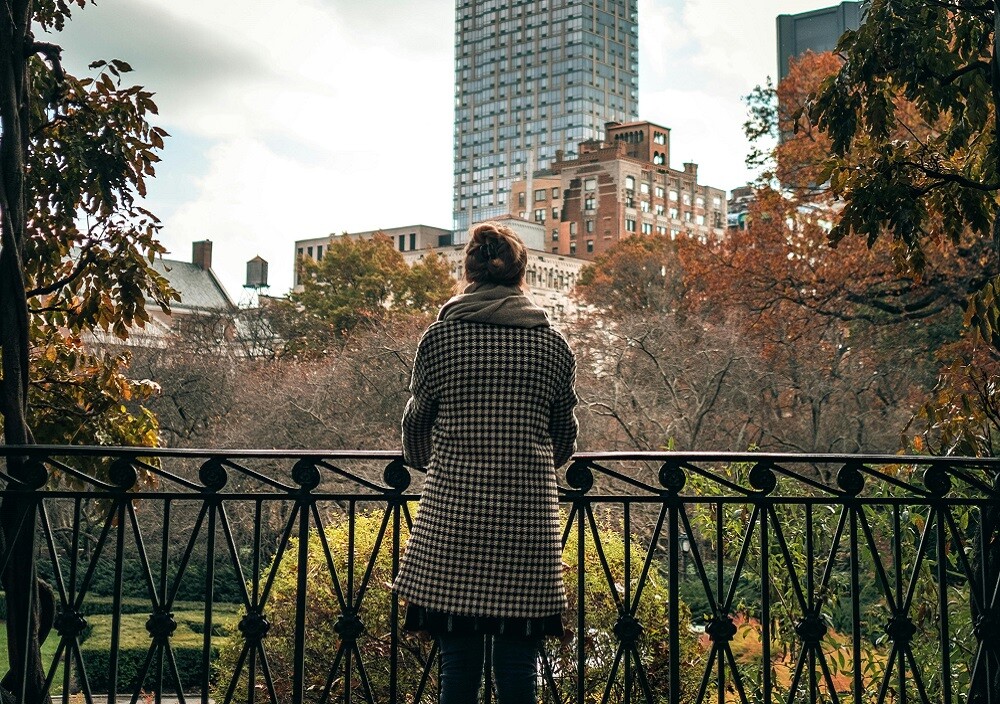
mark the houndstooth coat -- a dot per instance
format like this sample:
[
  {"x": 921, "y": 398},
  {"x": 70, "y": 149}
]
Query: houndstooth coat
[{"x": 491, "y": 416}]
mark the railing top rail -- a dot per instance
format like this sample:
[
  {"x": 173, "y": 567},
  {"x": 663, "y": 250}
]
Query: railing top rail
[{"x": 648, "y": 456}]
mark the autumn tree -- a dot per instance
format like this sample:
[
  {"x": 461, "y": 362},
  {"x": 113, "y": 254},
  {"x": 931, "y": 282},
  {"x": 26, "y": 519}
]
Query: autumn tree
[
  {"x": 75, "y": 154},
  {"x": 358, "y": 282},
  {"x": 638, "y": 274},
  {"x": 935, "y": 189}
]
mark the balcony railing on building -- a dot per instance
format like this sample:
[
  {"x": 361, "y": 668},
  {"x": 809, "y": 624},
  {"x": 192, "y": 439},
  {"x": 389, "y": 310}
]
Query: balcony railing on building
[{"x": 263, "y": 576}]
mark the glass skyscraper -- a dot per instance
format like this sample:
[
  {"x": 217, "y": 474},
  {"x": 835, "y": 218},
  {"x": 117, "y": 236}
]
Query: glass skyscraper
[{"x": 533, "y": 77}]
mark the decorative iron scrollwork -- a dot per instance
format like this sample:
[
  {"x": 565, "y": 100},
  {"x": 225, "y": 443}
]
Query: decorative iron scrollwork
[
  {"x": 987, "y": 629},
  {"x": 122, "y": 474},
  {"x": 70, "y": 624},
  {"x": 349, "y": 626},
  {"x": 161, "y": 625},
  {"x": 900, "y": 629},
  {"x": 936, "y": 480},
  {"x": 811, "y": 628},
  {"x": 397, "y": 476},
  {"x": 213, "y": 474},
  {"x": 762, "y": 478},
  {"x": 672, "y": 477},
  {"x": 627, "y": 629},
  {"x": 579, "y": 476},
  {"x": 721, "y": 628},
  {"x": 305, "y": 474},
  {"x": 254, "y": 625},
  {"x": 850, "y": 479}
]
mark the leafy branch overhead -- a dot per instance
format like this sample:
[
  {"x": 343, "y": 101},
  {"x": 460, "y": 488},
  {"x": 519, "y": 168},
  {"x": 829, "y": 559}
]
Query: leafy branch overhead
[{"x": 911, "y": 116}]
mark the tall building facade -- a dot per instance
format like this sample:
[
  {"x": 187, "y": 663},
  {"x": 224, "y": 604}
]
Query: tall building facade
[
  {"x": 533, "y": 77},
  {"x": 816, "y": 30}
]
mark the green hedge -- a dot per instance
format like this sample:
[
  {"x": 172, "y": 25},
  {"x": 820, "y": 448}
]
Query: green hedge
[
  {"x": 187, "y": 644},
  {"x": 97, "y": 605}
]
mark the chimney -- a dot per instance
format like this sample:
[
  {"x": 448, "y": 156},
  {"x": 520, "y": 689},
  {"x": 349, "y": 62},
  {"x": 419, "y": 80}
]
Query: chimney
[
  {"x": 690, "y": 168},
  {"x": 201, "y": 254}
]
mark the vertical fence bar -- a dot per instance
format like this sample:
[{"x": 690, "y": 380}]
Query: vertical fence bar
[
  {"x": 116, "y": 600},
  {"x": 765, "y": 600},
  {"x": 858, "y": 685},
  {"x": 394, "y": 611},
  {"x": 206, "y": 658},
  {"x": 942, "y": 576},
  {"x": 719, "y": 597},
  {"x": 897, "y": 564},
  {"x": 299, "y": 656},
  {"x": 627, "y": 603},
  {"x": 581, "y": 577},
  {"x": 673, "y": 549}
]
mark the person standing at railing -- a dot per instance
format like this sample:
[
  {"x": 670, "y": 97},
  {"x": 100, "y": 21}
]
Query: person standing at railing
[{"x": 491, "y": 417}]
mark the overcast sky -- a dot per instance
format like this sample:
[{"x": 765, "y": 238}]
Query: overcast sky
[{"x": 299, "y": 118}]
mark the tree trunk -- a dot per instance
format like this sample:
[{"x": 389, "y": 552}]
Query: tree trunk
[{"x": 26, "y": 679}]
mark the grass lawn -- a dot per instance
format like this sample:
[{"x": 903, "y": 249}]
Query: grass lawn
[{"x": 48, "y": 652}]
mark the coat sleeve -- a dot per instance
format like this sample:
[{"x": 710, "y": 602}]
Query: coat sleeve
[
  {"x": 563, "y": 426},
  {"x": 420, "y": 412}
]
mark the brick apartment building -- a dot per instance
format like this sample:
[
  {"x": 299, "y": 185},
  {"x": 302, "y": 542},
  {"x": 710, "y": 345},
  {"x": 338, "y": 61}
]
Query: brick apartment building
[{"x": 616, "y": 188}]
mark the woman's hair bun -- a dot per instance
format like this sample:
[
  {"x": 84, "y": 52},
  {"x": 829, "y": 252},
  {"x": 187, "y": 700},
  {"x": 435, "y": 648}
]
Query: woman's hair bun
[{"x": 495, "y": 254}]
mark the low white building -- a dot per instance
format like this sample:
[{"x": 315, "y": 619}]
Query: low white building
[{"x": 550, "y": 277}]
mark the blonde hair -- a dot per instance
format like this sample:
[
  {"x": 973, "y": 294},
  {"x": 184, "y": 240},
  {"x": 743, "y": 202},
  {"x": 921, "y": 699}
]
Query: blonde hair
[{"x": 494, "y": 254}]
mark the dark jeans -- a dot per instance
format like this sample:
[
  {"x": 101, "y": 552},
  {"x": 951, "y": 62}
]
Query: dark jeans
[{"x": 515, "y": 668}]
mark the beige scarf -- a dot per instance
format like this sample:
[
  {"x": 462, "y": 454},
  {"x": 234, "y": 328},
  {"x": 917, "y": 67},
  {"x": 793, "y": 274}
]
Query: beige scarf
[{"x": 495, "y": 305}]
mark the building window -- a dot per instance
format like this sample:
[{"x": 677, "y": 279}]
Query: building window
[
  {"x": 413, "y": 240},
  {"x": 700, "y": 202},
  {"x": 309, "y": 251},
  {"x": 700, "y": 220},
  {"x": 520, "y": 199},
  {"x": 647, "y": 228},
  {"x": 572, "y": 247},
  {"x": 674, "y": 232},
  {"x": 319, "y": 253},
  {"x": 300, "y": 252},
  {"x": 555, "y": 193},
  {"x": 539, "y": 194},
  {"x": 630, "y": 183},
  {"x": 629, "y": 225},
  {"x": 661, "y": 229},
  {"x": 589, "y": 203},
  {"x": 590, "y": 184},
  {"x": 555, "y": 213},
  {"x": 686, "y": 199},
  {"x": 629, "y": 202},
  {"x": 402, "y": 243},
  {"x": 644, "y": 188},
  {"x": 572, "y": 229},
  {"x": 673, "y": 195},
  {"x": 590, "y": 245},
  {"x": 539, "y": 214},
  {"x": 659, "y": 191},
  {"x": 673, "y": 213},
  {"x": 687, "y": 216},
  {"x": 555, "y": 235},
  {"x": 716, "y": 202},
  {"x": 589, "y": 225},
  {"x": 644, "y": 206},
  {"x": 659, "y": 209}
]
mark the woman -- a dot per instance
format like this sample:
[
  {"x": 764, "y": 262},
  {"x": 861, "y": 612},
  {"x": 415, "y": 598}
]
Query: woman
[{"x": 491, "y": 417}]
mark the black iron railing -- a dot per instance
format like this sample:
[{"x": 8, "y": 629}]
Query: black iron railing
[{"x": 262, "y": 576}]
